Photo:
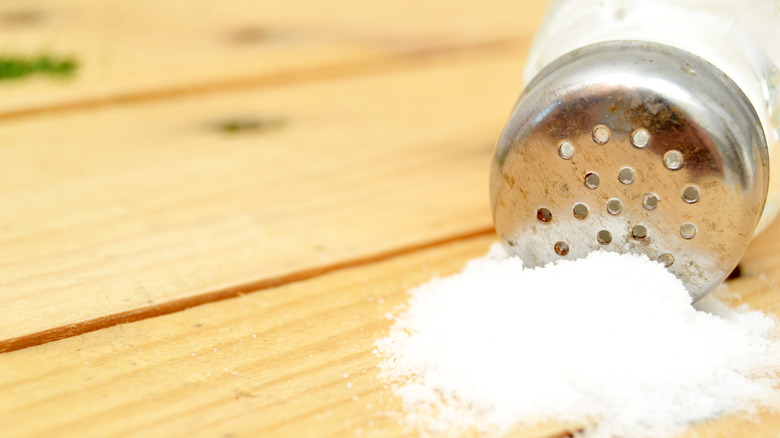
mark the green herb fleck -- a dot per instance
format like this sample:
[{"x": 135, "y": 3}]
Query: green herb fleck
[
  {"x": 18, "y": 67},
  {"x": 254, "y": 124}
]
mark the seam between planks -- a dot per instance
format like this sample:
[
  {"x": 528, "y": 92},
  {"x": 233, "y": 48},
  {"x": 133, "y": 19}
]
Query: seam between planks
[
  {"x": 173, "y": 306},
  {"x": 375, "y": 65}
]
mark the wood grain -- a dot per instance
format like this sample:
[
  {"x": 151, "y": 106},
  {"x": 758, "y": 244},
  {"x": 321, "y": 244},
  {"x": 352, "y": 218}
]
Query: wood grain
[
  {"x": 291, "y": 361},
  {"x": 148, "y": 49},
  {"x": 139, "y": 210}
]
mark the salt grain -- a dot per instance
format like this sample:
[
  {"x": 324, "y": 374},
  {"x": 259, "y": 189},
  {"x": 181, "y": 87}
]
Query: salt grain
[{"x": 610, "y": 340}]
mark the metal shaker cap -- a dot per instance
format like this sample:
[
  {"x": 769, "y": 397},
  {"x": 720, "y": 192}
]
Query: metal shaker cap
[{"x": 632, "y": 147}]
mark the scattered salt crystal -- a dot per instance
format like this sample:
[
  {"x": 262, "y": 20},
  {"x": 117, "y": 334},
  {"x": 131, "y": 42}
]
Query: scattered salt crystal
[
  {"x": 346, "y": 375},
  {"x": 610, "y": 341},
  {"x": 349, "y": 385}
]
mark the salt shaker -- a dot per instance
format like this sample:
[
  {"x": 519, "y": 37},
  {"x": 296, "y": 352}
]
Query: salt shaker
[{"x": 646, "y": 127}]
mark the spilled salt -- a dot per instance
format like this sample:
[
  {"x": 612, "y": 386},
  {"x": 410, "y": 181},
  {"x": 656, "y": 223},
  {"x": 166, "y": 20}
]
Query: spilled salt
[{"x": 610, "y": 341}]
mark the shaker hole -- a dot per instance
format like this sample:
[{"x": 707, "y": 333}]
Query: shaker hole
[
  {"x": 561, "y": 248},
  {"x": 604, "y": 237},
  {"x": 639, "y": 232},
  {"x": 614, "y": 206},
  {"x": 673, "y": 160},
  {"x": 601, "y": 134},
  {"x": 640, "y": 138},
  {"x": 666, "y": 259},
  {"x": 691, "y": 194},
  {"x": 544, "y": 215},
  {"x": 688, "y": 230},
  {"x": 626, "y": 175},
  {"x": 580, "y": 211},
  {"x": 566, "y": 150},
  {"x": 592, "y": 180},
  {"x": 650, "y": 201}
]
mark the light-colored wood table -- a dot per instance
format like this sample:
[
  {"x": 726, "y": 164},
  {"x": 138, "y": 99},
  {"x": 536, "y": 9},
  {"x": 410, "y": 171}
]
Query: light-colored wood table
[{"x": 203, "y": 227}]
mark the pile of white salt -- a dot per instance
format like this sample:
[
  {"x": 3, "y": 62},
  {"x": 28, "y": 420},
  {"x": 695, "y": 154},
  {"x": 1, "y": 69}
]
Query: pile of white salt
[{"x": 610, "y": 340}]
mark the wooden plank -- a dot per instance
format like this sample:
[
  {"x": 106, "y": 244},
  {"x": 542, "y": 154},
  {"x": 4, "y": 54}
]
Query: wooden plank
[
  {"x": 291, "y": 361},
  {"x": 266, "y": 364},
  {"x": 141, "y": 210},
  {"x": 130, "y": 49}
]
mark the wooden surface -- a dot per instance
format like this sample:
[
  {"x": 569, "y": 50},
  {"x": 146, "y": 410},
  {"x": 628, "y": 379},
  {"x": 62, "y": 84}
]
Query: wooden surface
[
  {"x": 204, "y": 227},
  {"x": 173, "y": 208},
  {"x": 145, "y": 49}
]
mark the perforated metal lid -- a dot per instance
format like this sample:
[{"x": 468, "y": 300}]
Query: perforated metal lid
[{"x": 632, "y": 147}]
